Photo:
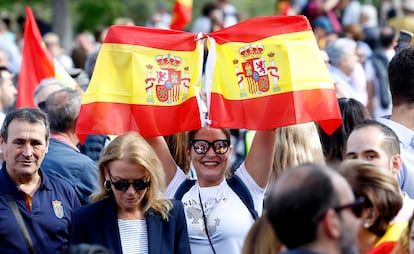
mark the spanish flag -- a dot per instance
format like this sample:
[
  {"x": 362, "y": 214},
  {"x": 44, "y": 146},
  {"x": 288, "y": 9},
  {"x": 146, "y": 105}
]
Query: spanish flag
[
  {"x": 37, "y": 64},
  {"x": 182, "y": 13},
  {"x": 144, "y": 80},
  {"x": 267, "y": 72}
]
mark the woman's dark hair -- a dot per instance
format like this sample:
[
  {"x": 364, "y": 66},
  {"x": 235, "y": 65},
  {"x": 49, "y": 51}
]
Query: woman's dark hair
[{"x": 353, "y": 112}]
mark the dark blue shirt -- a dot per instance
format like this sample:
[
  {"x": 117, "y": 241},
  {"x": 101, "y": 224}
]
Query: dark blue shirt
[
  {"x": 78, "y": 169},
  {"x": 49, "y": 222}
]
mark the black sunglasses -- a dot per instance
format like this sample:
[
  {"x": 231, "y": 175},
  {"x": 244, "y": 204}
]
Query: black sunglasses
[
  {"x": 42, "y": 106},
  {"x": 123, "y": 185},
  {"x": 357, "y": 207},
  {"x": 219, "y": 146}
]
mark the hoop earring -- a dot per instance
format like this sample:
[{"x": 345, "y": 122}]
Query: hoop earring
[{"x": 107, "y": 185}]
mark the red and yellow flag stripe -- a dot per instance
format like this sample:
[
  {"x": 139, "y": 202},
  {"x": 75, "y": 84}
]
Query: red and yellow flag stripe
[
  {"x": 143, "y": 81},
  {"x": 268, "y": 73}
]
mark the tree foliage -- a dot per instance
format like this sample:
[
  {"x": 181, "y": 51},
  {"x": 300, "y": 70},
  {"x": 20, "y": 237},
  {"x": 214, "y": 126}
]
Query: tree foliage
[{"x": 90, "y": 14}]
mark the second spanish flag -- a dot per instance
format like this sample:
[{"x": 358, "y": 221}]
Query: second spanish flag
[{"x": 267, "y": 72}]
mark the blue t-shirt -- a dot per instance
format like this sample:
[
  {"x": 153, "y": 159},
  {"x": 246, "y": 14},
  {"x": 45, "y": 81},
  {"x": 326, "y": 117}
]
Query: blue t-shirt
[{"x": 48, "y": 223}]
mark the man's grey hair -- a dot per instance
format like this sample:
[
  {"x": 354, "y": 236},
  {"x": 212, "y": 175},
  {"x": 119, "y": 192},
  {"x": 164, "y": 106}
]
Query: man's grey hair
[
  {"x": 338, "y": 48},
  {"x": 45, "y": 83}
]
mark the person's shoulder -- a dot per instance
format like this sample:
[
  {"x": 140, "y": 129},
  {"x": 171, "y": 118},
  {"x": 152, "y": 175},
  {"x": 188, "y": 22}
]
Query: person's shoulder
[
  {"x": 86, "y": 160},
  {"x": 177, "y": 210},
  {"x": 403, "y": 132},
  {"x": 176, "y": 207},
  {"x": 408, "y": 202},
  {"x": 93, "y": 210},
  {"x": 58, "y": 146},
  {"x": 58, "y": 185},
  {"x": 67, "y": 153},
  {"x": 55, "y": 180},
  {"x": 177, "y": 204}
]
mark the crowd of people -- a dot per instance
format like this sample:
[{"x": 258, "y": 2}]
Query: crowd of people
[{"x": 289, "y": 190}]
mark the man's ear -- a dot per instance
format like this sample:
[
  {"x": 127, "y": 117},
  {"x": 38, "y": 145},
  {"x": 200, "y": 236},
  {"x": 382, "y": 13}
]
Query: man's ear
[
  {"x": 396, "y": 164},
  {"x": 47, "y": 145},
  {"x": 2, "y": 143},
  {"x": 331, "y": 224}
]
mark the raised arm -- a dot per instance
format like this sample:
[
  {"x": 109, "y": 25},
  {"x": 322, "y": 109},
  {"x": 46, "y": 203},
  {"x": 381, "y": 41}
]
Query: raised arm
[
  {"x": 259, "y": 160},
  {"x": 163, "y": 153}
]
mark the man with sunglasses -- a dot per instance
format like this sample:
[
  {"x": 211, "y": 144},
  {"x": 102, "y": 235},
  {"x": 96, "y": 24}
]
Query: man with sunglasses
[
  {"x": 46, "y": 87},
  {"x": 312, "y": 209}
]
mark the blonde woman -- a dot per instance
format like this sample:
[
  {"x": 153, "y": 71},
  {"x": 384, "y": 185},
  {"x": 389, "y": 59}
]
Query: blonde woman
[
  {"x": 261, "y": 238},
  {"x": 129, "y": 213},
  {"x": 295, "y": 145}
]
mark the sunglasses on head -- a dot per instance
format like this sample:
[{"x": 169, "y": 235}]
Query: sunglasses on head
[
  {"x": 357, "y": 207},
  {"x": 202, "y": 146},
  {"x": 42, "y": 106},
  {"x": 123, "y": 185}
]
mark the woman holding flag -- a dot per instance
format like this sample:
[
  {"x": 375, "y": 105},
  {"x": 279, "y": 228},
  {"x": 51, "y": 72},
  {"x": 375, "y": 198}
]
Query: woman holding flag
[
  {"x": 217, "y": 218},
  {"x": 219, "y": 210}
]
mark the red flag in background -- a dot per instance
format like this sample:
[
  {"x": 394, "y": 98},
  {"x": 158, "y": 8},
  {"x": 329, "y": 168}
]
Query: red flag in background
[
  {"x": 268, "y": 72},
  {"x": 143, "y": 81},
  {"x": 182, "y": 12},
  {"x": 37, "y": 64}
]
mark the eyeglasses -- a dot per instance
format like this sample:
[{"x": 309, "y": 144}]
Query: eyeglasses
[
  {"x": 357, "y": 207},
  {"x": 202, "y": 146},
  {"x": 123, "y": 185}
]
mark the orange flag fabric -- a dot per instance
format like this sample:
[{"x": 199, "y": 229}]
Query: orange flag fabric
[
  {"x": 182, "y": 13},
  {"x": 144, "y": 80},
  {"x": 37, "y": 64},
  {"x": 267, "y": 72}
]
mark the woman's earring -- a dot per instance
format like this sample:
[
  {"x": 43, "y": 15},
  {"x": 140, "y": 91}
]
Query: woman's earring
[
  {"x": 366, "y": 225},
  {"x": 107, "y": 185}
]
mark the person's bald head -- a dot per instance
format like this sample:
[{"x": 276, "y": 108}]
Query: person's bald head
[{"x": 301, "y": 199}]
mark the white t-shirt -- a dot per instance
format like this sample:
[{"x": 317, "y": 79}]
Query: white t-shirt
[
  {"x": 134, "y": 236},
  {"x": 228, "y": 219}
]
